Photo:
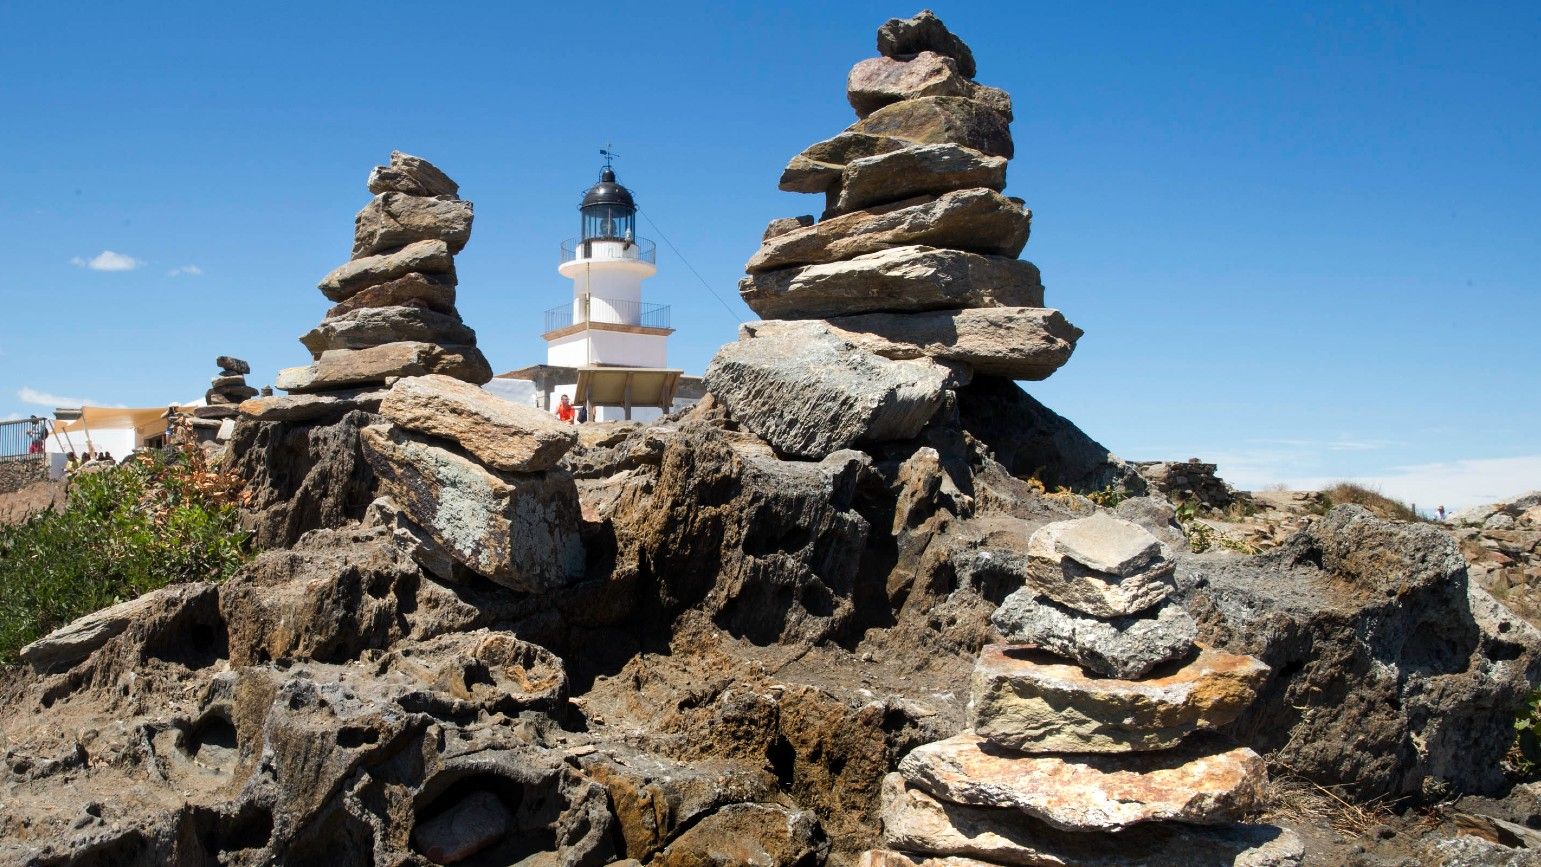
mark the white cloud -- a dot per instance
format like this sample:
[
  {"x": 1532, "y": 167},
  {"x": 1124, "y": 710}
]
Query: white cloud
[
  {"x": 189, "y": 270},
  {"x": 43, "y": 398},
  {"x": 107, "y": 260},
  {"x": 1452, "y": 484}
]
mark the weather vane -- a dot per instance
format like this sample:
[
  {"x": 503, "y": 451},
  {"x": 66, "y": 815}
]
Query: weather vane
[{"x": 608, "y": 152}]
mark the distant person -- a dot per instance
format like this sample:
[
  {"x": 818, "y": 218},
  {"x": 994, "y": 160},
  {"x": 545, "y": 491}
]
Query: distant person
[
  {"x": 564, "y": 410},
  {"x": 37, "y": 434},
  {"x": 71, "y": 463},
  {"x": 1440, "y": 512}
]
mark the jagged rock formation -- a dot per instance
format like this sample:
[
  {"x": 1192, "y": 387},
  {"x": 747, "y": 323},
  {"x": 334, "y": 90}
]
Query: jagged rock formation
[{"x": 909, "y": 286}]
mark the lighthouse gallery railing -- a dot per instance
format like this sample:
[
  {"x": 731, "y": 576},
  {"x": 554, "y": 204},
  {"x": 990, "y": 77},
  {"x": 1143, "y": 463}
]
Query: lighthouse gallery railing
[{"x": 610, "y": 311}]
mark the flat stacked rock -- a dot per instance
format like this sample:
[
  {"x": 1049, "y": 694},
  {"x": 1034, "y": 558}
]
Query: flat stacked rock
[
  {"x": 394, "y": 302},
  {"x": 1090, "y": 736},
  {"x": 909, "y": 284},
  {"x": 227, "y": 390}
]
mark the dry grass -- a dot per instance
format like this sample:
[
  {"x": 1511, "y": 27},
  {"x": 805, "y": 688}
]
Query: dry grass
[
  {"x": 1378, "y": 503},
  {"x": 1292, "y": 798}
]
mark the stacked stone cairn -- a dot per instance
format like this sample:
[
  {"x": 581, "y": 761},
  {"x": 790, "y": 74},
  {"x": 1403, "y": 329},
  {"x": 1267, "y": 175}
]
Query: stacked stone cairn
[
  {"x": 1088, "y": 739},
  {"x": 469, "y": 481},
  {"x": 227, "y": 390},
  {"x": 394, "y": 302},
  {"x": 909, "y": 285}
]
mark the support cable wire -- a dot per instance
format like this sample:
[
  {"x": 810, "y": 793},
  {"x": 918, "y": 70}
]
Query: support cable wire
[{"x": 692, "y": 268}]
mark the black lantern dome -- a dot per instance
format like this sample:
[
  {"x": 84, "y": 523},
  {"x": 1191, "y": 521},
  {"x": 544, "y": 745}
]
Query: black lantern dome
[{"x": 609, "y": 212}]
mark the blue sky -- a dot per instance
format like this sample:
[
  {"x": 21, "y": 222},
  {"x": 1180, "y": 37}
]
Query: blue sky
[{"x": 1303, "y": 239}]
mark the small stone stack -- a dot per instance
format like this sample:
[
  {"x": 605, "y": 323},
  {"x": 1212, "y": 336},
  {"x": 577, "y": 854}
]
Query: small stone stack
[
  {"x": 1088, "y": 739},
  {"x": 909, "y": 285},
  {"x": 394, "y": 312},
  {"x": 227, "y": 390}
]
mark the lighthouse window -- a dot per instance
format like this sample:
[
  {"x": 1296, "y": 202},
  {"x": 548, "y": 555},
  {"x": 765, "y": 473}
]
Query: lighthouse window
[{"x": 608, "y": 221}]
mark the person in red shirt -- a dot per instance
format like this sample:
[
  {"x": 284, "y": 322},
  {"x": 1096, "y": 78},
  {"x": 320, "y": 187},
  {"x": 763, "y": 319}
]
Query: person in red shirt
[{"x": 564, "y": 410}]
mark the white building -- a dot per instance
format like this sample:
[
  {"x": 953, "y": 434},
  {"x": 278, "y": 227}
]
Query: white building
[{"x": 606, "y": 348}]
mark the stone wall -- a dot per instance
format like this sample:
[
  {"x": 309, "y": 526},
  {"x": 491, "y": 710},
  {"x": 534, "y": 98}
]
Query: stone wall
[
  {"x": 19, "y": 471},
  {"x": 1189, "y": 480}
]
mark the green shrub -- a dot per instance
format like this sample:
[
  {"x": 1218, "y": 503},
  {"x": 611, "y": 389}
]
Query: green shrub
[
  {"x": 156, "y": 520},
  {"x": 1527, "y": 735}
]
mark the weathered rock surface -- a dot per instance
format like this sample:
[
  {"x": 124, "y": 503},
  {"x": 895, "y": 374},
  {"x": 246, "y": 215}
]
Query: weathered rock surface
[
  {"x": 1020, "y": 342},
  {"x": 367, "y": 327},
  {"x": 1026, "y": 700},
  {"x": 232, "y": 366},
  {"x": 819, "y": 166},
  {"x": 1099, "y": 565},
  {"x": 396, "y": 219},
  {"x": 816, "y": 394},
  {"x": 1394, "y": 675},
  {"x": 434, "y": 291},
  {"x": 942, "y": 120},
  {"x": 1204, "y": 785},
  {"x": 757, "y": 834},
  {"x": 463, "y": 830},
  {"x": 1124, "y": 647},
  {"x": 312, "y": 407},
  {"x": 911, "y": 278},
  {"x": 69, "y": 644},
  {"x": 1032, "y": 441},
  {"x": 916, "y": 822},
  {"x": 424, "y": 257},
  {"x": 344, "y": 368},
  {"x": 412, "y": 175},
  {"x": 973, "y": 220},
  {"x": 501, "y": 434},
  {"x": 519, "y": 530},
  {"x": 300, "y": 476},
  {"x": 878, "y": 81},
  {"x": 915, "y": 171},
  {"x": 904, "y": 38},
  {"x": 782, "y": 225}
]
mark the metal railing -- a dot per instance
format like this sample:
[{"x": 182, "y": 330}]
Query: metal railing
[
  {"x": 27, "y": 436},
  {"x": 610, "y": 311},
  {"x": 637, "y": 249}
]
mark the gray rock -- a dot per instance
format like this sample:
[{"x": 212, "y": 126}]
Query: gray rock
[
  {"x": 975, "y": 220},
  {"x": 915, "y": 171},
  {"x": 993, "y": 98},
  {"x": 435, "y": 292},
  {"x": 375, "y": 326},
  {"x": 230, "y": 394},
  {"x": 412, "y": 175},
  {"x": 427, "y": 257},
  {"x": 351, "y": 368},
  {"x": 1124, "y": 647},
  {"x": 815, "y": 394},
  {"x": 227, "y": 381},
  {"x": 311, "y": 407},
  {"x": 395, "y": 219},
  {"x": 942, "y": 120},
  {"x": 903, "y": 38},
  {"x": 504, "y": 435},
  {"x": 1156, "y": 515},
  {"x": 818, "y": 167},
  {"x": 519, "y": 530},
  {"x": 782, "y": 225},
  {"x": 1019, "y": 342},
  {"x": 462, "y": 830},
  {"x": 1099, "y": 565},
  {"x": 899, "y": 280},
  {"x": 879, "y": 81},
  {"x": 69, "y": 644},
  {"x": 231, "y": 366},
  {"x": 916, "y": 822}
]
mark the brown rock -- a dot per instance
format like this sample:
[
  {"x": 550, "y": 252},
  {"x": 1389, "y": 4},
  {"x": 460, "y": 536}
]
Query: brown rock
[
  {"x": 903, "y": 38},
  {"x": 504, "y": 435},
  {"x": 782, "y": 225},
  {"x": 977, "y": 221},
  {"x": 426, "y": 257},
  {"x": 434, "y": 292},
  {"x": 914, "y": 171},
  {"x": 412, "y": 175},
  {"x": 1020, "y": 342},
  {"x": 1099, "y": 565},
  {"x": 1026, "y": 700},
  {"x": 1201, "y": 784},
  {"x": 395, "y": 219},
  {"x": 818, "y": 167},
  {"x": 764, "y": 835},
  {"x": 901, "y": 279},
  {"x": 879, "y": 81},
  {"x": 462, "y": 830},
  {"x": 344, "y": 368},
  {"x": 942, "y": 120},
  {"x": 993, "y": 98},
  {"x": 374, "y": 326},
  {"x": 310, "y": 407}
]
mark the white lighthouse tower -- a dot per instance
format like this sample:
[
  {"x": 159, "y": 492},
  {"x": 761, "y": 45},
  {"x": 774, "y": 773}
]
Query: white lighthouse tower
[{"x": 615, "y": 342}]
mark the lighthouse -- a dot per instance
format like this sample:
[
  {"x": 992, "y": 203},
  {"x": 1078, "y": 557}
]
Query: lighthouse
[{"x": 607, "y": 349}]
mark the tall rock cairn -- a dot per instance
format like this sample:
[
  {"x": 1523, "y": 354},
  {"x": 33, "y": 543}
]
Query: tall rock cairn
[
  {"x": 394, "y": 312},
  {"x": 1088, "y": 737},
  {"x": 909, "y": 284},
  {"x": 227, "y": 390}
]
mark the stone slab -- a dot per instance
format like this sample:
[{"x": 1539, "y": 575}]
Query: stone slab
[
  {"x": 1125, "y": 647},
  {"x": 412, "y": 175},
  {"x": 917, "y": 170},
  {"x": 942, "y": 120},
  {"x": 1100, "y": 565},
  {"x": 879, "y": 81},
  {"x": 502, "y": 434},
  {"x": 376, "y": 326},
  {"x": 819, "y": 165},
  {"x": 352, "y": 368},
  {"x": 395, "y": 219},
  {"x": 312, "y": 407},
  {"x": 424, "y": 257},
  {"x": 433, "y": 291}
]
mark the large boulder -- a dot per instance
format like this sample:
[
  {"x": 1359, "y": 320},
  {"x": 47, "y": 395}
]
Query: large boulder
[
  {"x": 350, "y": 368},
  {"x": 412, "y": 175},
  {"x": 397, "y": 219},
  {"x": 433, "y": 291},
  {"x": 1394, "y": 676},
  {"x": 819, "y": 165},
  {"x": 1021, "y": 342},
  {"x": 504, "y": 435},
  {"x": 518, "y": 530},
  {"x": 425, "y": 257},
  {"x": 942, "y": 120},
  {"x": 910, "y": 278},
  {"x": 815, "y": 394},
  {"x": 974, "y": 220},
  {"x": 375, "y": 326},
  {"x": 904, "y": 38},
  {"x": 878, "y": 81},
  {"x": 915, "y": 171}
]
